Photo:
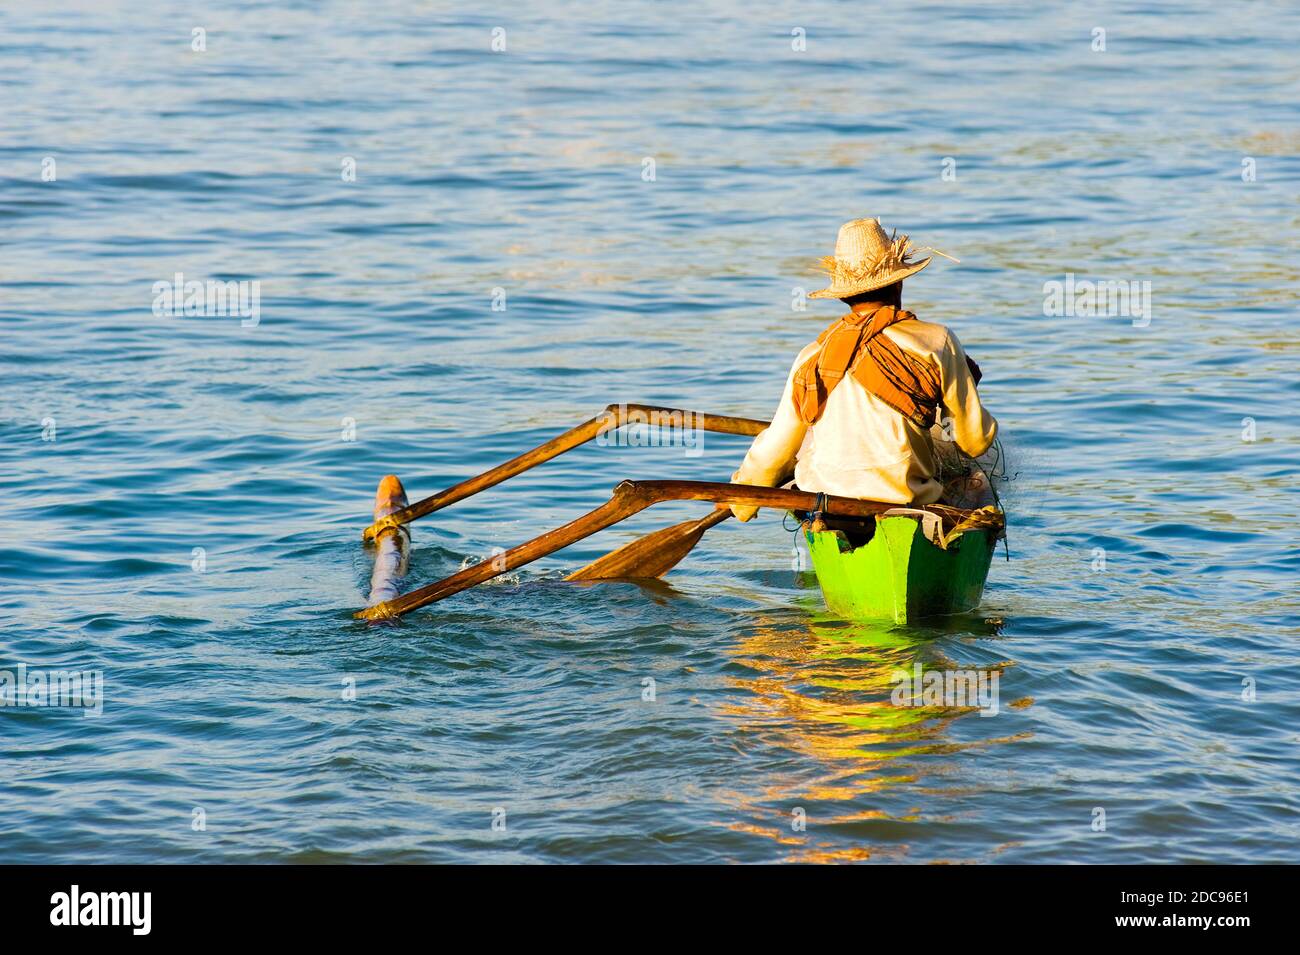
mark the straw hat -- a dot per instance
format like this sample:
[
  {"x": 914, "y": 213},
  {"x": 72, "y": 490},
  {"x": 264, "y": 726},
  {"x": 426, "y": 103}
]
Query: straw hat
[{"x": 865, "y": 259}]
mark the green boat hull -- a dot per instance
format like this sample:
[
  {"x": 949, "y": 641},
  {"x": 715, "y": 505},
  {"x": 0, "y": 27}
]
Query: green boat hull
[{"x": 898, "y": 574}]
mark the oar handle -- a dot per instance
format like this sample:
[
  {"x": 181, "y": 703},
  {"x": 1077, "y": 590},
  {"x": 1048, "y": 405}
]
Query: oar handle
[
  {"x": 716, "y": 517},
  {"x": 629, "y": 498},
  {"x": 612, "y": 418}
]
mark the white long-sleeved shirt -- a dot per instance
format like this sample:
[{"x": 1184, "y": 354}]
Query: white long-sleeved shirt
[{"x": 860, "y": 447}]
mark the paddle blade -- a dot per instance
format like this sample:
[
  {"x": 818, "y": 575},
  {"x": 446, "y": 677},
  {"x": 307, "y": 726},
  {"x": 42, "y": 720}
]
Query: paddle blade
[{"x": 653, "y": 555}]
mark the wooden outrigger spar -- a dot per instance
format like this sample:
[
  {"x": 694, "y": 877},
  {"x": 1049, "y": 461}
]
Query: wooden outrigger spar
[{"x": 611, "y": 419}]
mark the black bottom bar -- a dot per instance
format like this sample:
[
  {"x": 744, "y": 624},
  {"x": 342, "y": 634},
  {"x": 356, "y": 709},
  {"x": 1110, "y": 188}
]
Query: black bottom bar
[{"x": 333, "y": 904}]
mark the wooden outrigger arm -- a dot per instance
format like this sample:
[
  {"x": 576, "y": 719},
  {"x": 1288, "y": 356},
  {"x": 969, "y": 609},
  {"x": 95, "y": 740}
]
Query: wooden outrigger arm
[
  {"x": 611, "y": 419},
  {"x": 630, "y": 498}
]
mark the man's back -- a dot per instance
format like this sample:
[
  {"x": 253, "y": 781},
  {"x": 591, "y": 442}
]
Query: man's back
[{"x": 862, "y": 447}]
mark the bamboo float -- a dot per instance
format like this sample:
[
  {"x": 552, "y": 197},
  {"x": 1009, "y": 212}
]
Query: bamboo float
[
  {"x": 611, "y": 419},
  {"x": 392, "y": 547},
  {"x": 632, "y": 497}
]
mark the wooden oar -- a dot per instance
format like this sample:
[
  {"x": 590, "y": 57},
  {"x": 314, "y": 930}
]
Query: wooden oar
[
  {"x": 652, "y": 555},
  {"x": 629, "y": 498},
  {"x": 611, "y": 419}
]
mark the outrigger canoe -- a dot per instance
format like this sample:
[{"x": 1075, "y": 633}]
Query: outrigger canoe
[
  {"x": 903, "y": 566},
  {"x": 878, "y": 561}
]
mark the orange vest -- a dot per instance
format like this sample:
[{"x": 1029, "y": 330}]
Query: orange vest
[{"x": 853, "y": 345}]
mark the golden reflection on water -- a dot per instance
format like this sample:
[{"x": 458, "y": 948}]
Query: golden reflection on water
[{"x": 824, "y": 691}]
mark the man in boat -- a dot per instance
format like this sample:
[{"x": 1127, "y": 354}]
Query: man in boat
[{"x": 879, "y": 406}]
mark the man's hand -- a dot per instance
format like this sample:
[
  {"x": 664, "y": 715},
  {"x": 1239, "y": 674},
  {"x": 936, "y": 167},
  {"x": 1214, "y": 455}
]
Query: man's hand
[{"x": 742, "y": 512}]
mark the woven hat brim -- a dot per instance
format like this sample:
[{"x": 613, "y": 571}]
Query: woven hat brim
[{"x": 867, "y": 285}]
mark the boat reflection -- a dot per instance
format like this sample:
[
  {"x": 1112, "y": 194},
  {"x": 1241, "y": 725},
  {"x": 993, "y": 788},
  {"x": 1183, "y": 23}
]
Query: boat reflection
[{"x": 825, "y": 689}]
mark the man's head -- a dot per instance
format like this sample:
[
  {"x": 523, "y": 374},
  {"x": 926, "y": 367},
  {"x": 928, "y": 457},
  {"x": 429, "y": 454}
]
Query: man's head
[{"x": 867, "y": 261}]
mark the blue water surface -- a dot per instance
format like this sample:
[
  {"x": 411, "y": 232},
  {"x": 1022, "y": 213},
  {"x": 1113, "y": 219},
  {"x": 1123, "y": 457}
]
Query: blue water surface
[{"x": 181, "y": 498}]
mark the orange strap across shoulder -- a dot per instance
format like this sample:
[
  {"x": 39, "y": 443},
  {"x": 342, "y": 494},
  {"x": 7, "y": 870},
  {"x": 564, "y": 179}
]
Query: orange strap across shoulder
[{"x": 853, "y": 345}]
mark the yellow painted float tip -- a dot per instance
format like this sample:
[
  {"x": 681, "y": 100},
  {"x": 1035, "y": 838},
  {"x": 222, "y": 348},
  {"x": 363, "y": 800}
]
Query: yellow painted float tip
[{"x": 389, "y": 497}]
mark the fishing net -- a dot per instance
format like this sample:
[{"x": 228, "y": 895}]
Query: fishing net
[{"x": 974, "y": 483}]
